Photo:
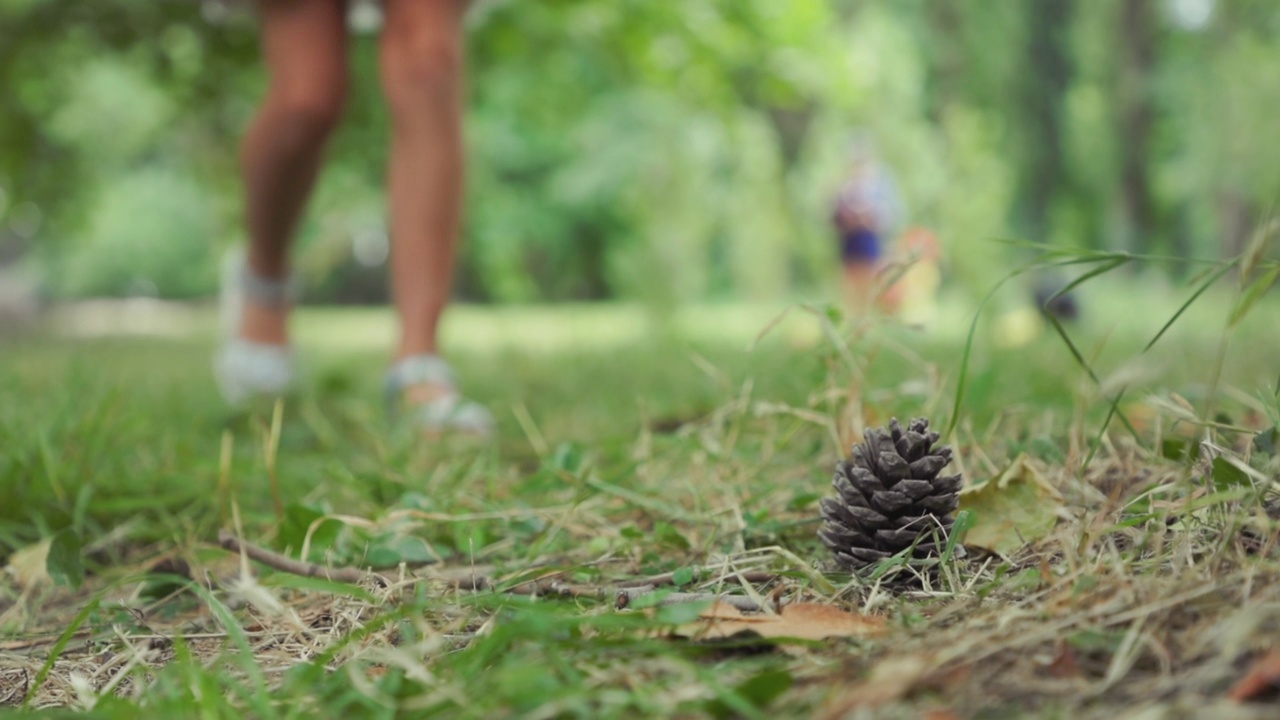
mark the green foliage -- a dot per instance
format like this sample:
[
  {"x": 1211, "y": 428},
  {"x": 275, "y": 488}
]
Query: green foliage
[
  {"x": 756, "y": 692},
  {"x": 1265, "y": 441},
  {"x": 150, "y": 235},
  {"x": 1227, "y": 475},
  {"x": 662, "y": 153},
  {"x": 297, "y": 530},
  {"x": 64, "y": 564}
]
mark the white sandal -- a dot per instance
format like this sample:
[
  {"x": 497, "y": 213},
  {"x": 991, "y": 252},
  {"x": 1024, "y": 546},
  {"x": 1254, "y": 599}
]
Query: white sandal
[
  {"x": 449, "y": 412},
  {"x": 243, "y": 368}
]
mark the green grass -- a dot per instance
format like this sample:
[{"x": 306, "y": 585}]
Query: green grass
[{"x": 627, "y": 447}]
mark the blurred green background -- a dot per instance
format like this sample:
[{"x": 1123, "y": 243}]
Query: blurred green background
[{"x": 661, "y": 152}]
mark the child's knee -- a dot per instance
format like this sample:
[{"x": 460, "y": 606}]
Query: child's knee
[
  {"x": 421, "y": 66},
  {"x": 312, "y": 110}
]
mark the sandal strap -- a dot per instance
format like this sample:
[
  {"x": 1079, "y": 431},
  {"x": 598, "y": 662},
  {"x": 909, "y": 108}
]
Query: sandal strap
[
  {"x": 420, "y": 370},
  {"x": 450, "y": 411},
  {"x": 453, "y": 412},
  {"x": 245, "y": 369},
  {"x": 268, "y": 292}
]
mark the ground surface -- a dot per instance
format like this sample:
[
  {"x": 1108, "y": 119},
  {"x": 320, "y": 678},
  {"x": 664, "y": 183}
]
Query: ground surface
[{"x": 692, "y": 453}]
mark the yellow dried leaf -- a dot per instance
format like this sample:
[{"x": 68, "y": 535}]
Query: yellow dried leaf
[
  {"x": 891, "y": 680},
  {"x": 28, "y": 566},
  {"x": 1012, "y": 509},
  {"x": 803, "y": 621}
]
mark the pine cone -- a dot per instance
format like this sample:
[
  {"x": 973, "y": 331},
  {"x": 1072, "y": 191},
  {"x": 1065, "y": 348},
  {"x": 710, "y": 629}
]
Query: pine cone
[{"x": 890, "y": 497}]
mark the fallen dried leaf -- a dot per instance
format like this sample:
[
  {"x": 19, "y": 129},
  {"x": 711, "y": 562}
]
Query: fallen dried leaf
[
  {"x": 802, "y": 621},
  {"x": 948, "y": 679},
  {"x": 1064, "y": 664},
  {"x": 29, "y": 566},
  {"x": 890, "y": 680},
  {"x": 1012, "y": 509},
  {"x": 1262, "y": 679}
]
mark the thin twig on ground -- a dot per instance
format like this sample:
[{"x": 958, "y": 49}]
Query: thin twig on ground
[
  {"x": 627, "y": 590},
  {"x": 272, "y": 559},
  {"x": 537, "y": 588},
  {"x": 626, "y": 596},
  {"x": 753, "y": 577}
]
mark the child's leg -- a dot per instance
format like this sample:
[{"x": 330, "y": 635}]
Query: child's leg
[
  {"x": 860, "y": 253},
  {"x": 422, "y": 77},
  {"x": 860, "y": 284},
  {"x": 304, "y": 46}
]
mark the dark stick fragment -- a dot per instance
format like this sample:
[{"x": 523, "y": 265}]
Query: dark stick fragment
[
  {"x": 626, "y": 596},
  {"x": 228, "y": 541}
]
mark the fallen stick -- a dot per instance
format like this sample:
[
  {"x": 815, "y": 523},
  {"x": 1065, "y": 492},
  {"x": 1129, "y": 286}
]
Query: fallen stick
[
  {"x": 275, "y": 560},
  {"x": 754, "y": 576},
  {"x": 535, "y": 588},
  {"x": 626, "y": 596},
  {"x": 628, "y": 591},
  {"x": 25, "y": 643}
]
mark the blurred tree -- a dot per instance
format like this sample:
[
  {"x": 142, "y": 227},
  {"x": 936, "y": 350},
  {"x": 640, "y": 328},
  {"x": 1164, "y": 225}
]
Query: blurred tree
[
  {"x": 1043, "y": 89},
  {"x": 1138, "y": 44}
]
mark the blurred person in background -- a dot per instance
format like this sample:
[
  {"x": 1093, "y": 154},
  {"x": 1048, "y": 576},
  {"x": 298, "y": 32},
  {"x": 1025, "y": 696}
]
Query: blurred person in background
[
  {"x": 304, "y": 49},
  {"x": 915, "y": 278},
  {"x": 867, "y": 211}
]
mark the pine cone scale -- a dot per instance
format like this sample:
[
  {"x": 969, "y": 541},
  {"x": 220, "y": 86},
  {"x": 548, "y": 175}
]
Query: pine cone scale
[
  {"x": 940, "y": 504},
  {"x": 896, "y": 539},
  {"x": 915, "y": 489},
  {"x": 850, "y": 494},
  {"x": 868, "y": 518},
  {"x": 893, "y": 466},
  {"x": 916, "y": 446},
  {"x": 890, "y": 502},
  {"x": 928, "y": 466},
  {"x": 836, "y": 538},
  {"x": 865, "y": 556},
  {"x": 837, "y": 514},
  {"x": 865, "y": 481},
  {"x": 947, "y": 484}
]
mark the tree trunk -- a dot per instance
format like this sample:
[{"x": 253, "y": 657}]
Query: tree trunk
[
  {"x": 946, "y": 54},
  {"x": 1137, "y": 119},
  {"x": 1045, "y": 88},
  {"x": 1235, "y": 221}
]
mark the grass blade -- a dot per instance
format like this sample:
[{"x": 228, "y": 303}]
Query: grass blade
[
  {"x": 1252, "y": 294},
  {"x": 1112, "y": 410},
  {"x": 1075, "y": 352},
  {"x": 1208, "y": 283},
  {"x": 256, "y": 691},
  {"x": 56, "y": 652},
  {"x": 961, "y": 382},
  {"x": 1110, "y": 260},
  {"x": 1257, "y": 248},
  {"x": 1106, "y": 268},
  {"x": 1078, "y": 256}
]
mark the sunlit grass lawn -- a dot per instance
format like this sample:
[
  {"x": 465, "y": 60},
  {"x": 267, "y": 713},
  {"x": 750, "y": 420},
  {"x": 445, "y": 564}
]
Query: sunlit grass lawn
[{"x": 626, "y": 441}]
